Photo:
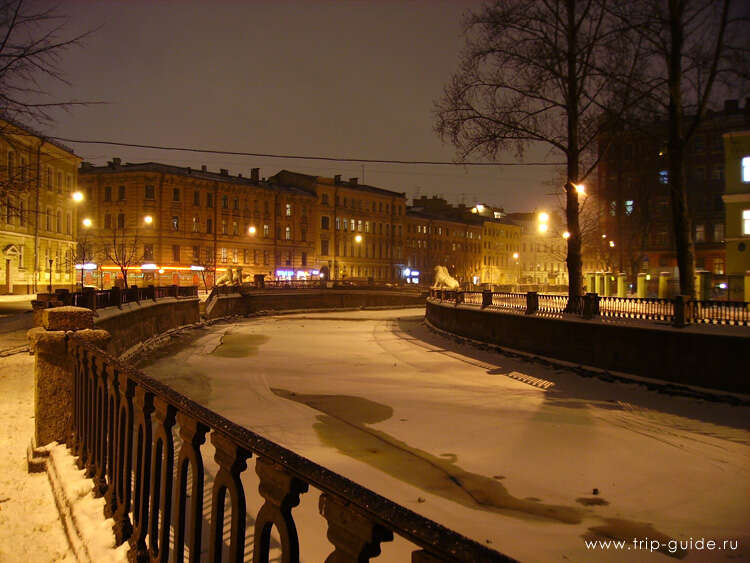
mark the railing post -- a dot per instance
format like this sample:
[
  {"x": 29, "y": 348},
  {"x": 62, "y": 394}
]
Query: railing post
[
  {"x": 355, "y": 537},
  {"x": 54, "y": 369},
  {"x": 486, "y": 298},
  {"x": 115, "y": 297},
  {"x": 281, "y": 492},
  {"x": 679, "y": 303},
  {"x": 590, "y": 305},
  {"x": 532, "y": 302},
  {"x": 459, "y": 297},
  {"x": 641, "y": 285}
]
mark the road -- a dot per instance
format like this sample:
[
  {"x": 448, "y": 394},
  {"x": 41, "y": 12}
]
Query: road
[{"x": 528, "y": 459}]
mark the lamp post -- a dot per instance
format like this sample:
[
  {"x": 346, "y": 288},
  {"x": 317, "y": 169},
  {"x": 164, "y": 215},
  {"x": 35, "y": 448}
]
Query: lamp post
[{"x": 50, "y": 275}]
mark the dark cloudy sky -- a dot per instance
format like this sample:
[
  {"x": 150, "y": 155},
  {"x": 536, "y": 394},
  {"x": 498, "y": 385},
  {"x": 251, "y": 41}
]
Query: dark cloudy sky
[{"x": 344, "y": 79}]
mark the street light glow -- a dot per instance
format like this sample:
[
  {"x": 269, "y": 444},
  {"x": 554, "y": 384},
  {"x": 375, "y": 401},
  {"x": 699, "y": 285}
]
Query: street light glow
[
  {"x": 86, "y": 222},
  {"x": 566, "y": 235},
  {"x": 543, "y": 227},
  {"x": 148, "y": 219},
  {"x": 77, "y": 196},
  {"x": 515, "y": 256},
  {"x": 251, "y": 230},
  {"x": 612, "y": 244},
  {"x": 358, "y": 238},
  {"x": 543, "y": 217},
  {"x": 581, "y": 189}
]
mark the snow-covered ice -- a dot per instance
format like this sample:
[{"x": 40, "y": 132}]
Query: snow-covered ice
[{"x": 505, "y": 451}]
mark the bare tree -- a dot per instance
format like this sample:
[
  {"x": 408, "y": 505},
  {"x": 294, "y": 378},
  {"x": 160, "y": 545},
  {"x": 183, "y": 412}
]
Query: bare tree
[
  {"x": 33, "y": 39},
  {"x": 537, "y": 72},
  {"x": 123, "y": 249},
  {"x": 690, "y": 47}
]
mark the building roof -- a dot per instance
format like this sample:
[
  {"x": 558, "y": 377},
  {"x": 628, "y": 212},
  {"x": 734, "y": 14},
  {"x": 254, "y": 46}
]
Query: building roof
[
  {"x": 35, "y": 133},
  {"x": 115, "y": 167},
  {"x": 428, "y": 216},
  {"x": 307, "y": 181}
]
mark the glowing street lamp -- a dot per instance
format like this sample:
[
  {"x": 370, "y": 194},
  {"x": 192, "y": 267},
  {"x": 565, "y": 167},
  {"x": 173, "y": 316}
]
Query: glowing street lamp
[
  {"x": 86, "y": 222},
  {"x": 77, "y": 196},
  {"x": 581, "y": 189},
  {"x": 251, "y": 230},
  {"x": 543, "y": 217},
  {"x": 358, "y": 238},
  {"x": 611, "y": 244},
  {"x": 515, "y": 256},
  {"x": 148, "y": 219},
  {"x": 543, "y": 227},
  {"x": 566, "y": 235}
]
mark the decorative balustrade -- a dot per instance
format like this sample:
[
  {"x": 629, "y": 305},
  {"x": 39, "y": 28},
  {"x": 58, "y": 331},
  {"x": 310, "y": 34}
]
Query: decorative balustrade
[
  {"x": 116, "y": 297},
  {"x": 679, "y": 311},
  {"x": 123, "y": 433}
]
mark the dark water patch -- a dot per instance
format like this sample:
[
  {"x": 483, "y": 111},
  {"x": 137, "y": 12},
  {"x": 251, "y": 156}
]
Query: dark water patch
[
  {"x": 592, "y": 501},
  {"x": 630, "y": 531},
  {"x": 342, "y": 427},
  {"x": 239, "y": 345}
]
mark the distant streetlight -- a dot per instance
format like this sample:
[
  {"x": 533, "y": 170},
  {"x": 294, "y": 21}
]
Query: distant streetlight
[
  {"x": 515, "y": 256},
  {"x": 87, "y": 222},
  {"x": 604, "y": 236},
  {"x": 251, "y": 230},
  {"x": 566, "y": 235},
  {"x": 612, "y": 244},
  {"x": 581, "y": 189},
  {"x": 148, "y": 219},
  {"x": 543, "y": 227},
  {"x": 77, "y": 196},
  {"x": 358, "y": 238},
  {"x": 543, "y": 217}
]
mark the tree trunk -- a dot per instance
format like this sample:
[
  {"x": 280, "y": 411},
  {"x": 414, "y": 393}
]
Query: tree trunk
[
  {"x": 676, "y": 146},
  {"x": 575, "y": 274}
]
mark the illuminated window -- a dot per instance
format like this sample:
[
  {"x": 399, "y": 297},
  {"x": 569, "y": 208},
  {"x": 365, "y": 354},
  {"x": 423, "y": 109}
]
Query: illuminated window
[
  {"x": 746, "y": 168},
  {"x": 288, "y": 211},
  {"x": 664, "y": 177},
  {"x": 746, "y": 222},
  {"x": 287, "y": 233},
  {"x": 718, "y": 232},
  {"x": 629, "y": 203},
  {"x": 266, "y": 233},
  {"x": 700, "y": 233}
]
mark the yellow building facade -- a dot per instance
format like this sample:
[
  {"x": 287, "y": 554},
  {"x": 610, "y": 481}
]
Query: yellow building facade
[{"x": 38, "y": 215}]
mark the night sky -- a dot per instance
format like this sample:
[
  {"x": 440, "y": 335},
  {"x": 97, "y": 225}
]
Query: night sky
[{"x": 344, "y": 79}]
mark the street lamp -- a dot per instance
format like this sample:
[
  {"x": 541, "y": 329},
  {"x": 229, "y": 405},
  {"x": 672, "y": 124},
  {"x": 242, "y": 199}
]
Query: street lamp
[
  {"x": 251, "y": 230},
  {"x": 358, "y": 238},
  {"x": 148, "y": 219},
  {"x": 581, "y": 189},
  {"x": 566, "y": 235},
  {"x": 77, "y": 196},
  {"x": 87, "y": 222},
  {"x": 50, "y": 275}
]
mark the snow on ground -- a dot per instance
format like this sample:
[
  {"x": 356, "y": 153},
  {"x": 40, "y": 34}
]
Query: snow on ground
[
  {"x": 526, "y": 458},
  {"x": 30, "y": 530}
]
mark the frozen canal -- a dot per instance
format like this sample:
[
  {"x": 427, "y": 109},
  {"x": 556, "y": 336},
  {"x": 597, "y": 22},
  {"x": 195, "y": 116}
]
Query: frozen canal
[{"x": 528, "y": 459}]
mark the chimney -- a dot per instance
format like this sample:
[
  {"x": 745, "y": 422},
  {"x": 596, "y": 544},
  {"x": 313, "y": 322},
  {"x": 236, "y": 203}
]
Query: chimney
[
  {"x": 255, "y": 174},
  {"x": 204, "y": 168},
  {"x": 731, "y": 106},
  {"x": 353, "y": 181},
  {"x": 223, "y": 171},
  {"x": 189, "y": 170},
  {"x": 86, "y": 165},
  {"x": 239, "y": 175},
  {"x": 116, "y": 161},
  {"x": 337, "y": 179}
]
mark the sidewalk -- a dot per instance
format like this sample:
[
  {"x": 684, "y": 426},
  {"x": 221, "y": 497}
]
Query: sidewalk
[{"x": 31, "y": 528}]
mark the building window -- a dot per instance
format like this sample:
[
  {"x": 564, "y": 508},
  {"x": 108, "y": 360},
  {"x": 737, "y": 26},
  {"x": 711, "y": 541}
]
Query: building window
[
  {"x": 148, "y": 251},
  {"x": 49, "y": 178},
  {"x": 175, "y": 194},
  {"x": 67, "y": 222},
  {"x": 58, "y": 221},
  {"x": 746, "y": 169},
  {"x": 266, "y": 232},
  {"x": 121, "y": 221},
  {"x": 149, "y": 192},
  {"x": 11, "y": 164},
  {"x": 58, "y": 181},
  {"x": 324, "y": 199},
  {"x": 176, "y": 253},
  {"x": 235, "y": 228},
  {"x": 225, "y": 202},
  {"x": 120, "y": 193},
  {"x": 209, "y": 226},
  {"x": 223, "y": 254},
  {"x": 209, "y": 200},
  {"x": 287, "y": 233},
  {"x": 265, "y": 257},
  {"x": 175, "y": 223},
  {"x": 196, "y": 224},
  {"x": 234, "y": 256},
  {"x": 718, "y": 232},
  {"x": 324, "y": 247},
  {"x": 325, "y": 222},
  {"x": 107, "y": 221},
  {"x": 304, "y": 259},
  {"x": 664, "y": 176},
  {"x": 236, "y": 203},
  {"x": 629, "y": 204},
  {"x": 718, "y": 267},
  {"x": 613, "y": 208},
  {"x": 746, "y": 222},
  {"x": 196, "y": 197},
  {"x": 107, "y": 193},
  {"x": 288, "y": 210},
  {"x": 700, "y": 233},
  {"x": 196, "y": 253},
  {"x": 223, "y": 226},
  {"x": 303, "y": 234}
]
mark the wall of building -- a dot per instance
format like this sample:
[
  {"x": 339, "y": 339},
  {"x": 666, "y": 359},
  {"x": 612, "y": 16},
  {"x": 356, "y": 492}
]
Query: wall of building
[
  {"x": 737, "y": 202},
  {"x": 692, "y": 356}
]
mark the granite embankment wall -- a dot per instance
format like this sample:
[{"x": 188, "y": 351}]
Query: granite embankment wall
[
  {"x": 137, "y": 322},
  {"x": 303, "y": 299},
  {"x": 705, "y": 356}
]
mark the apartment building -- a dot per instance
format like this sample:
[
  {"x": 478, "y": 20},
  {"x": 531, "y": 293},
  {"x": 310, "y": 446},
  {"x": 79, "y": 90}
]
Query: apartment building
[{"x": 38, "y": 214}]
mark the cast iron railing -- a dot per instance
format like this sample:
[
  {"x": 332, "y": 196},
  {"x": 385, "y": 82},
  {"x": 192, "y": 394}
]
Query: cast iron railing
[
  {"x": 116, "y": 297},
  {"x": 679, "y": 311},
  {"x": 123, "y": 433}
]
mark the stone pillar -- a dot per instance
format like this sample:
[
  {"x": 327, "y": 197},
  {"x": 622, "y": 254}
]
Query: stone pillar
[
  {"x": 622, "y": 289},
  {"x": 598, "y": 284},
  {"x": 641, "y": 285},
  {"x": 590, "y": 282},
  {"x": 746, "y": 297},
  {"x": 54, "y": 367},
  {"x": 607, "y": 285},
  {"x": 663, "y": 285}
]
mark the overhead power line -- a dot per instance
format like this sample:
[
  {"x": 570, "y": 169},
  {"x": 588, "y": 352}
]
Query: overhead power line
[{"x": 301, "y": 157}]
